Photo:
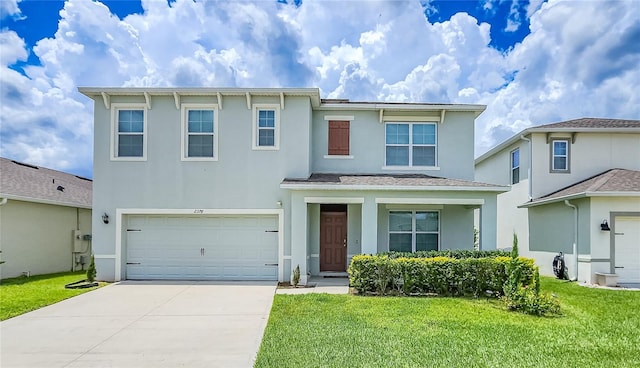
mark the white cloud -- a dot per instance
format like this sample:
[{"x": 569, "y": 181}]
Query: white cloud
[
  {"x": 12, "y": 48},
  {"x": 580, "y": 59},
  {"x": 513, "y": 19},
  {"x": 9, "y": 8}
]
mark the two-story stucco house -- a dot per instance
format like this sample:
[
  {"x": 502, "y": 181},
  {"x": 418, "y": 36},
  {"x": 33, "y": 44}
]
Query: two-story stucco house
[
  {"x": 575, "y": 188},
  {"x": 247, "y": 184}
]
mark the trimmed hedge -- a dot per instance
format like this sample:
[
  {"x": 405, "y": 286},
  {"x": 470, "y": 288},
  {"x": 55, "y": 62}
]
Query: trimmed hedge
[
  {"x": 450, "y": 253},
  {"x": 446, "y": 276}
]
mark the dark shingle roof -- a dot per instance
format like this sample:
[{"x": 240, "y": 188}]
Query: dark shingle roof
[
  {"x": 387, "y": 180},
  {"x": 593, "y": 123},
  {"x": 39, "y": 184},
  {"x": 611, "y": 181}
]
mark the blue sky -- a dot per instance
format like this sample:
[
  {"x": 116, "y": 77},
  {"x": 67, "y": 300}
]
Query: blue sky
[{"x": 531, "y": 62}]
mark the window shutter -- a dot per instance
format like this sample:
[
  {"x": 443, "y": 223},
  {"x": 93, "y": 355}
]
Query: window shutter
[{"x": 338, "y": 137}]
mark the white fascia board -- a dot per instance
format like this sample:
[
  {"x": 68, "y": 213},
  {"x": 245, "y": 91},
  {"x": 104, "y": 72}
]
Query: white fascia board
[
  {"x": 43, "y": 201},
  {"x": 94, "y": 92},
  {"x": 400, "y": 107},
  {"x": 501, "y": 146},
  {"x": 552, "y": 200},
  {"x": 334, "y": 200},
  {"x": 412, "y": 188},
  {"x": 584, "y": 130},
  {"x": 461, "y": 201},
  {"x": 579, "y": 195}
]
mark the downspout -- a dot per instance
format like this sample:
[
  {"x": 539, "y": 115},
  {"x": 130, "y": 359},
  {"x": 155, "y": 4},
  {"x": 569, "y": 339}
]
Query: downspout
[
  {"x": 575, "y": 238},
  {"x": 3, "y": 201},
  {"x": 530, "y": 164}
]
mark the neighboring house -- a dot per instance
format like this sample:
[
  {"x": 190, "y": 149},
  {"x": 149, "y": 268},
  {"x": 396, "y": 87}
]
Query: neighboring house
[
  {"x": 584, "y": 172},
  {"x": 45, "y": 220},
  {"x": 247, "y": 184}
]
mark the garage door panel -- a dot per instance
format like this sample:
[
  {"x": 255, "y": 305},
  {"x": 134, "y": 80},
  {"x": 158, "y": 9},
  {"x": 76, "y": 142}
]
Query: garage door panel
[
  {"x": 220, "y": 247},
  {"x": 627, "y": 249}
]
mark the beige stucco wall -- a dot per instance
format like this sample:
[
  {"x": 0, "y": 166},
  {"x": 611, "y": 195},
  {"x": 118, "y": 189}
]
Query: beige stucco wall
[{"x": 38, "y": 238}]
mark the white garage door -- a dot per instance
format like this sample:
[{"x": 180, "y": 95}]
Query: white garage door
[
  {"x": 627, "y": 248},
  {"x": 202, "y": 248}
]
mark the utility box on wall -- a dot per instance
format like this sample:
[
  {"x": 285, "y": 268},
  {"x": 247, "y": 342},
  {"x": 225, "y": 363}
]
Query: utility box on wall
[{"x": 77, "y": 241}]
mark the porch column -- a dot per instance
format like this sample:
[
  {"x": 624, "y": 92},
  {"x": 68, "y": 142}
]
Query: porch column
[
  {"x": 299, "y": 237},
  {"x": 488, "y": 226},
  {"x": 369, "y": 234}
]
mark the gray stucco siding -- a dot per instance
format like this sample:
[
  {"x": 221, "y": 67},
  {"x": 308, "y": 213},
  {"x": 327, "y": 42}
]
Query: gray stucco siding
[
  {"x": 367, "y": 145},
  {"x": 551, "y": 227}
]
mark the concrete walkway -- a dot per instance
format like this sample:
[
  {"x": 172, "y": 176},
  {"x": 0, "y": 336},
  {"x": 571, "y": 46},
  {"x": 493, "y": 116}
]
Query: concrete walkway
[{"x": 143, "y": 324}]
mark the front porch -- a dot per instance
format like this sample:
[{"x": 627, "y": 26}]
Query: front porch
[{"x": 331, "y": 225}]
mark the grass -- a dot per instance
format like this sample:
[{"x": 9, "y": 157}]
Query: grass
[
  {"x": 599, "y": 328},
  {"x": 23, "y": 294}
]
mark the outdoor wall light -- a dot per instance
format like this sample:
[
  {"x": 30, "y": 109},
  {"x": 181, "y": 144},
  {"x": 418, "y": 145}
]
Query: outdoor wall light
[
  {"x": 279, "y": 203},
  {"x": 604, "y": 226},
  {"x": 105, "y": 218}
]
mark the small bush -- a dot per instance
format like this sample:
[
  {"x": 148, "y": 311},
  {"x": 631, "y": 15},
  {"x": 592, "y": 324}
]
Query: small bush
[
  {"x": 385, "y": 275},
  {"x": 91, "y": 271},
  {"x": 523, "y": 296}
]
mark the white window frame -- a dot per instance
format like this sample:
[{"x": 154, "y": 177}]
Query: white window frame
[
  {"x": 276, "y": 134},
  {"x": 184, "y": 148},
  {"x": 567, "y": 156},
  {"x": 115, "y": 136},
  {"x": 411, "y": 145},
  {"x": 414, "y": 232},
  {"x": 514, "y": 167}
]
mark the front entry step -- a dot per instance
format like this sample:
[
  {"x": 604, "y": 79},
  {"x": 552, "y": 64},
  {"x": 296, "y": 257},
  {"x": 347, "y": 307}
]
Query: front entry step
[{"x": 333, "y": 274}]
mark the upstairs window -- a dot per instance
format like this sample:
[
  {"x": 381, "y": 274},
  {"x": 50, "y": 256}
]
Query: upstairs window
[
  {"x": 338, "y": 138},
  {"x": 411, "y": 231},
  {"x": 560, "y": 155},
  {"x": 410, "y": 144},
  {"x": 515, "y": 166},
  {"x": 129, "y": 132},
  {"x": 266, "y": 127},
  {"x": 199, "y": 132}
]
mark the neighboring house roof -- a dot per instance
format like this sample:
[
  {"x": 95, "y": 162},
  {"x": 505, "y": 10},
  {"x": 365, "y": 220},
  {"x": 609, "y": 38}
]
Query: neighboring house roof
[
  {"x": 386, "y": 182},
  {"x": 32, "y": 183},
  {"x": 614, "y": 182},
  {"x": 600, "y": 125}
]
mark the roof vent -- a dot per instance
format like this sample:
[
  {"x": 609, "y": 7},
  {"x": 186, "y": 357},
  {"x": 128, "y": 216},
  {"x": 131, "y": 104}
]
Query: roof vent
[{"x": 60, "y": 188}]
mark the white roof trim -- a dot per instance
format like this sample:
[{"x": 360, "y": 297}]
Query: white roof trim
[
  {"x": 464, "y": 201},
  {"x": 578, "y": 195},
  {"x": 410, "y": 188},
  {"x": 334, "y": 200},
  {"x": 43, "y": 201}
]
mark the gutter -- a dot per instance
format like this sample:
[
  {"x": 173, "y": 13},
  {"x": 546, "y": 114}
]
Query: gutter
[
  {"x": 530, "y": 164},
  {"x": 575, "y": 238}
]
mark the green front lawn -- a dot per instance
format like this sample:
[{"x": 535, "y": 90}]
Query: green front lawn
[
  {"x": 24, "y": 294},
  {"x": 599, "y": 328}
]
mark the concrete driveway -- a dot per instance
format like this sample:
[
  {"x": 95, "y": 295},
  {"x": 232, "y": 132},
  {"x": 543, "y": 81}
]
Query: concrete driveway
[{"x": 144, "y": 324}]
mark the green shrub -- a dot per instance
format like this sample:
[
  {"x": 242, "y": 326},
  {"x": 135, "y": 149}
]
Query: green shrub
[
  {"x": 385, "y": 275},
  {"x": 91, "y": 271},
  {"x": 451, "y": 253},
  {"x": 296, "y": 276},
  {"x": 527, "y": 298}
]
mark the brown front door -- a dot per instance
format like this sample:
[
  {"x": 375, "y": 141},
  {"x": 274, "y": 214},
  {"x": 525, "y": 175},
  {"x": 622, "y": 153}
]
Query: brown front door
[{"x": 333, "y": 241}]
